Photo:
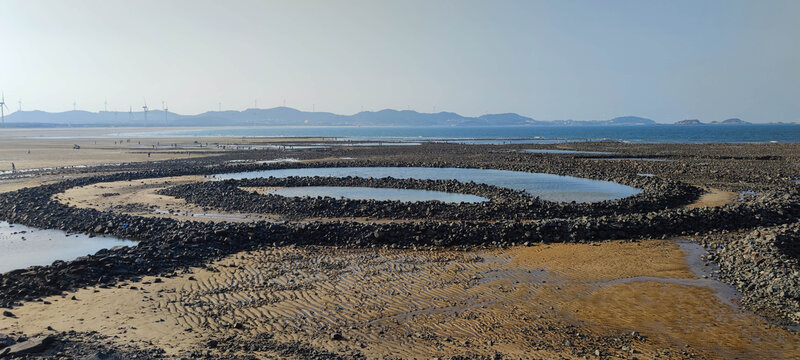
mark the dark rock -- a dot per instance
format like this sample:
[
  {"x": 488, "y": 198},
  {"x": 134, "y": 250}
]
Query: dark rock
[
  {"x": 6, "y": 340},
  {"x": 32, "y": 346},
  {"x": 97, "y": 355}
]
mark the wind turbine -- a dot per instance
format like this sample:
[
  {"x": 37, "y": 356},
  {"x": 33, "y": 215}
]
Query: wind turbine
[
  {"x": 3, "y": 107},
  {"x": 74, "y": 105},
  {"x": 20, "y": 105},
  {"x": 145, "y": 109},
  {"x": 166, "y": 110},
  {"x": 105, "y": 105}
]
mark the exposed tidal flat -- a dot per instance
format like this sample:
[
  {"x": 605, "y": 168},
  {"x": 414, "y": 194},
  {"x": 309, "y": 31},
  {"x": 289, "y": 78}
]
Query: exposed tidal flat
[{"x": 227, "y": 268}]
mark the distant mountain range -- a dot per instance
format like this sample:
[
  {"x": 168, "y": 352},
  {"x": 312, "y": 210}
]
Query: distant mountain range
[
  {"x": 285, "y": 116},
  {"x": 733, "y": 121}
]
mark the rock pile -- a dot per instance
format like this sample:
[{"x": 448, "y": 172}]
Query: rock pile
[
  {"x": 763, "y": 265},
  {"x": 505, "y": 204}
]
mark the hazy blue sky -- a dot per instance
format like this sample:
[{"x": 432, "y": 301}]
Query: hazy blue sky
[{"x": 667, "y": 60}]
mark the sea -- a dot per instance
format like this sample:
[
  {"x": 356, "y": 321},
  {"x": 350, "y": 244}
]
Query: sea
[{"x": 498, "y": 134}]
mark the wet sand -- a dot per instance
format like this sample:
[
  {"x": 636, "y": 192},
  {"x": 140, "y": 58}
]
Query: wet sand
[
  {"x": 52, "y": 148},
  {"x": 714, "y": 197},
  {"x": 139, "y": 198},
  {"x": 538, "y": 301}
]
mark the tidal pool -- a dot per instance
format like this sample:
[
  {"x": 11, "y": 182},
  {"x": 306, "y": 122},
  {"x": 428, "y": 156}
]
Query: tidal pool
[
  {"x": 559, "y": 151},
  {"x": 547, "y": 186},
  {"x": 380, "y": 143},
  {"x": 505, "y": 141},
  {"x": 635, "y": 159},
  {"x": 23, "y": 246},
  {"x": 369, "y": 193}
]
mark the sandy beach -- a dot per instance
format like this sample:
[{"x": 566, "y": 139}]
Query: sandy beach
[{"x": 411, "y": 304}]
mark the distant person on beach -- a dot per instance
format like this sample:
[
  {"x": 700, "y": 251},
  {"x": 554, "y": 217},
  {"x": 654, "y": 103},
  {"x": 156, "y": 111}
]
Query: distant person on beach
[{"x": 13, "y": 167}]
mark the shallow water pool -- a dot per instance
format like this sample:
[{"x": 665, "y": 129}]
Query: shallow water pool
[
  {"x": 369, "y": 193},
  {"x": 559, "y": 151},
  {"x": 635, "y": 159},
  {"x": 547, "y": 186},
  {"x": 23, "y": 246}
]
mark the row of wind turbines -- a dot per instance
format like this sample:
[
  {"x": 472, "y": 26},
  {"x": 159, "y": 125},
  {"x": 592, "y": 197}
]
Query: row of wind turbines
[{"x": 145, "y": 108}]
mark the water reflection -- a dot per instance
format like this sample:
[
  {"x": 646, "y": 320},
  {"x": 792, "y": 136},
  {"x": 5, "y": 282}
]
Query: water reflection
[
  {"x": 547, "y": 186},
  {"x": 23, "y": 246},
  {"x": 367, "y": 193}
]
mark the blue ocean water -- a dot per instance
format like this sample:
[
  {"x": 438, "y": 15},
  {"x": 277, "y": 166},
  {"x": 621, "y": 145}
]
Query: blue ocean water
[{"x": 546, "y": 134}]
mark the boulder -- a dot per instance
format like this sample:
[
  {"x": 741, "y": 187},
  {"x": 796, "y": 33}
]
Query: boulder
[{"x": 32, "y": 346}]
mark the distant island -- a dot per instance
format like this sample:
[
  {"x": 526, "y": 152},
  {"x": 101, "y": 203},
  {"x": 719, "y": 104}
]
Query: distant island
[
  {"x": 624, "y": 120},
  {"x": 286, "y": 116},
  {"x": 733, "y": 121}
]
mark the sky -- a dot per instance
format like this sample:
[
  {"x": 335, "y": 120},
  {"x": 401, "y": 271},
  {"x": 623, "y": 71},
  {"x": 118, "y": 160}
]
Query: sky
[{"x": 550, "y": 60}]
